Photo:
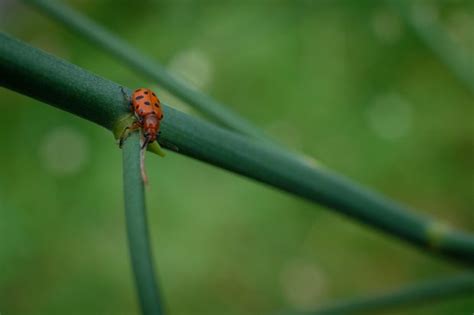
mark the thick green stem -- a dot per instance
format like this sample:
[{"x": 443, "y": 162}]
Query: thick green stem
[
  {"x": 137, "y": 228},
  {"x": 429, "y": 291},
  {"x": 146, "y": 66},
  {"x": 68, "y": 87}
]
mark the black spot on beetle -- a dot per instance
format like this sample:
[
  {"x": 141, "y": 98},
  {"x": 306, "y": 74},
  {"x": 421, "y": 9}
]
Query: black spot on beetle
[
  {"x": 139, "y": 97},
  {"x": 147, "y": 103},
  {"x": 146, "y": 92},
  {"x": 161, "y": 117},
  {"x": 153, "y": 94},
  {"x": 156, "y": 104}
]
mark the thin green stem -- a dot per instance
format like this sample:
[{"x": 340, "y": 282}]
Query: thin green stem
[
  {"x": 436, "y": 39},
  {"x": 137, "y": 228},
  {"x": 68, "y": 87},
  {"x": 146, "y": 66},
  {"x": 415, "y": 294}
]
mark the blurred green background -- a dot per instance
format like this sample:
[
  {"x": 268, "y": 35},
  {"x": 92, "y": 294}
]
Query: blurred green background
[{"x": 346, "y": 82}]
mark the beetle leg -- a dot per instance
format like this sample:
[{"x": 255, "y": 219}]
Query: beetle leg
[
  {"x": 124, "y": 136},
  {"x": 126, "y": 132}
]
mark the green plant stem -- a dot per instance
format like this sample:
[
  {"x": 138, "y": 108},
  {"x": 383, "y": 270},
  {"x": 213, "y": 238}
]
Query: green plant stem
[
  {"x": 415, "y": 294},
  {"x": 436, "y": 39},
  {"x": 146, "y": 66},
  {"x": 137, "y": 228},
  {"x": 70, "y": 88}
]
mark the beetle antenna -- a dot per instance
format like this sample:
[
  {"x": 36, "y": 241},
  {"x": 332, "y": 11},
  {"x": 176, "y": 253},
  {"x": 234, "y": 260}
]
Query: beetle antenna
[
  {"x": 142, "y": 161},
  {"x": 145, "y": 142}
]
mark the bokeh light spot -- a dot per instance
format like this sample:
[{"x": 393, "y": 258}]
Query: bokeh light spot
[
  {"x": 425, "y": 13},
  {"x": 303, "y": 284},
  {"x": 387, "y": 26},
  {"x": 194, "y": 66},
  {"x": 459, "y": 27},
  {"x": 390, "y": 117},
  {"x": 63, "y": 151}
]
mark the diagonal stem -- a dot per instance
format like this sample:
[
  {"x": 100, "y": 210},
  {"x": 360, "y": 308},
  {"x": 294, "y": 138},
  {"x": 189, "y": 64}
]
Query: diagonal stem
[
  {"x": 70, "y": 88},
  {"x": 146, "y": 66},
  {"x": 415, "y": 294}
]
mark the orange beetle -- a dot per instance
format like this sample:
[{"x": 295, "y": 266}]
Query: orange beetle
[
  {"x": 146, "y": 107},
  {"x": 147, "y": 110}
]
